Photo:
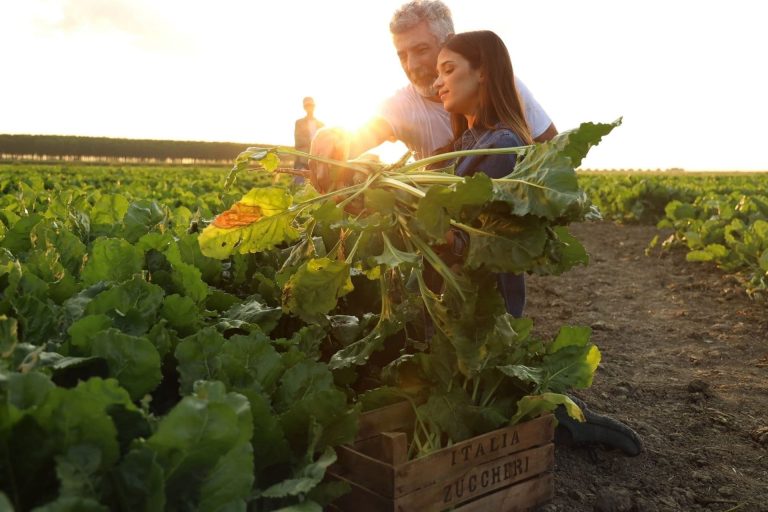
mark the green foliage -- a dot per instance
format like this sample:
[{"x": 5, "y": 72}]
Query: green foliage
[
  {"x": 154, "y": 359},
  {"x": 513, "y": 224}
]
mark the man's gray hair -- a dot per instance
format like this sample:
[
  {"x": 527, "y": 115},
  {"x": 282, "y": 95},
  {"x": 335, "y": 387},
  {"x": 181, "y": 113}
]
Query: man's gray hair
[{"x": 434, "y": 12}]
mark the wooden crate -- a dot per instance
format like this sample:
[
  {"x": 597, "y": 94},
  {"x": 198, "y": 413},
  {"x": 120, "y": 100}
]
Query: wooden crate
[{"x": 509, "y": 469}]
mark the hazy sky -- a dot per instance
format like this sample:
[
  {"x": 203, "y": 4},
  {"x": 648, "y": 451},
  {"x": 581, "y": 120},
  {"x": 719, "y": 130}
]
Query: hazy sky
[{"x": 689, "y": 77}]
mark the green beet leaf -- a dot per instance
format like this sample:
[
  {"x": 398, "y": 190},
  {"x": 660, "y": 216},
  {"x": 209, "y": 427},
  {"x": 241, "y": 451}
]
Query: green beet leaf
[
  {"x": 506, "y": 244},
  {"x": 249, "y": 360},
  {"x": 571, "y": 360},
  {"x": 532, "y": 406},
  {"x": 301, "y": 380},
  {"x": 268, "y": 439},
  {"x": 228, "y": 485},
  {"x": 326, "y": 408},
  {"x": 313, "y": 291},
  {"x": 561, "y": 253},
  {"x": 255, "y": 312},
  {"x": 133, "y": 305},
  {"x": 81, "y": 332},
  {"x": 75, "y": 417},
  {"x": 442, "y": 203},
  {"x": 544, "y": 182},
  {"x": 199, "y": 441},
  {"x": 112, "y": 259},
  {"x": 392, "y": 257},
  {"x": 182, "y": 313},
  {"x": 305, "y": 479},
  {"x": 143, "y": 217},
  {"x": 139, "y": 481},
  {"x": 107, "y": 215},
  {"x": 27, "y": 390},
  {"x": 39, "y": 319},
  {"x": 50, "y": 234},
  {"x": 74, "y": 307},
  {"x": 133, "y": 361},
  {"x": 199, "y": 357},
  {"x": 47, "y": 266},
  {"x": 17, "y": 238},
  {"x": 78, "y": 472}
]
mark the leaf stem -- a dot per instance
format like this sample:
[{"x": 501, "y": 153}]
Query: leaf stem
[{"x": 467, "y": 152}]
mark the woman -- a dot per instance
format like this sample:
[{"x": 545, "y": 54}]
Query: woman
[{"x": 477, "y": 86}]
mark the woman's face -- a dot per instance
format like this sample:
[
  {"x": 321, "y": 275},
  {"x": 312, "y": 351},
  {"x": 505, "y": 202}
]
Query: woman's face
[{"x": 457, "y": 84}]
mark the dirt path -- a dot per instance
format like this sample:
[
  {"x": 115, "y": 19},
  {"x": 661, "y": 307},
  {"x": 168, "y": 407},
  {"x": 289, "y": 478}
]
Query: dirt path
[{"x": 685, "y": 362}]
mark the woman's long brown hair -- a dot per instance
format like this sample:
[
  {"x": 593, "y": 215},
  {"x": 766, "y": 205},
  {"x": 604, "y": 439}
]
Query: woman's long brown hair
[{"x": 499, "y": 101}]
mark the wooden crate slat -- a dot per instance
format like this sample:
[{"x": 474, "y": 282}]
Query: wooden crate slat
[
  {"x": 479, "y": 479},
  {"x": 360, "y": 498},
  {"x": 449, "y": 462},
  {"x": 515, "y": 498},
  {"x": 505, "y": 470},
  {"x": 397, "y": 417},
  {"x": 367, "y": 471}
]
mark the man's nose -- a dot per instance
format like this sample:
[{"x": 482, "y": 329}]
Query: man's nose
[{"x": 413, "y": 62}]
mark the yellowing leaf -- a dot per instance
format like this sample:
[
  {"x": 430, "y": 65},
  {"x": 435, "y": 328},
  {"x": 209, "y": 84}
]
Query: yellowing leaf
[
  {"x": 239, "y": 215},
  {"x": 258, "y": 222}
]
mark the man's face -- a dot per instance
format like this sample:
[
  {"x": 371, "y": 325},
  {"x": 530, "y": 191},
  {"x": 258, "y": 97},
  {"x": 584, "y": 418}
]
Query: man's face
[
  {"x": 309, "y": 108},
  {"x": 417, "y": 50}
]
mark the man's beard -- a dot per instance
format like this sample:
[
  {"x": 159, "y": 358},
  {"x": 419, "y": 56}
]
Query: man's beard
[{"x": 423, "y": 81}]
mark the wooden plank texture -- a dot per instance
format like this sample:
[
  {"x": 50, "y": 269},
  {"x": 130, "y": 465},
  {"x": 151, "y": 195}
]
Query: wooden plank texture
[
  {"x": 397, "y": 417},
  {"x": 515, "y": 498},
  {"x": 448, "y": 463},
  {"x": 367, "y": 471},
  {"x": 359, "y": 498},
  {"x": 508, "y": 469},
  {"x": 478, "y": 480}
]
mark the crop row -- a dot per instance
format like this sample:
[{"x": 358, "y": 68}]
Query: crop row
[{"x": 720, "y": 219}]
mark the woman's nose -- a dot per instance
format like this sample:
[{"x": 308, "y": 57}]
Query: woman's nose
[{"x": 438, "y": 82}]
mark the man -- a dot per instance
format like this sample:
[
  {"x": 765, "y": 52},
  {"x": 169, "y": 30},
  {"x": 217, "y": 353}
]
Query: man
[
  {"x": 415, "y": 116},
  {"x": 304, "y": 131}
]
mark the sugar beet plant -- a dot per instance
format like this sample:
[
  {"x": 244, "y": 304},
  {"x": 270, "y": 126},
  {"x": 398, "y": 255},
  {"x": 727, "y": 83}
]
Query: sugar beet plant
[
  {"x": 149, "y": 364},
  {"x": 356, "y": 262}
]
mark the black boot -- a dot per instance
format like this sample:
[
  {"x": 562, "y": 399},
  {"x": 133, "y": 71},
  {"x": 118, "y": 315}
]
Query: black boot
[{"x": 597, "y": 429}]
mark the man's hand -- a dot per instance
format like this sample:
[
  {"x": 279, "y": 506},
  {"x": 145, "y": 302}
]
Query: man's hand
[
  {"x": 332, "y": 143},
  {"x": 339, "y": 144}
]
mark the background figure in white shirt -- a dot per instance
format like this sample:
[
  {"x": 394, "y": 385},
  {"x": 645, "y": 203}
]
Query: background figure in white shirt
[{"x": 304, "y": 131}]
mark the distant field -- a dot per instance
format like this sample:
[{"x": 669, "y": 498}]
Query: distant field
[{"x": 719, "y": 217}]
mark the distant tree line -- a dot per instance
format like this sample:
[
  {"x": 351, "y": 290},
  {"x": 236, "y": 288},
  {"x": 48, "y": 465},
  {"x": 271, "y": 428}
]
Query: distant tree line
[{"x": 67, "y": 147}]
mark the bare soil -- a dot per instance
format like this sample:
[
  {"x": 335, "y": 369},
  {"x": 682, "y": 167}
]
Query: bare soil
[{"x": 684, "y": 363}]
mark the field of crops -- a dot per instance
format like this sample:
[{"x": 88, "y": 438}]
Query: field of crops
[
  {"x": 148, "y": 362},
  {"x": 721, "y": 219}
]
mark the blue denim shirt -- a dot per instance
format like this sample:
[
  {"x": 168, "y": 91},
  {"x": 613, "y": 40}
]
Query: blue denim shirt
[
  {"x": 495, "y": 166},
  {"x": 511, "y": 286}
]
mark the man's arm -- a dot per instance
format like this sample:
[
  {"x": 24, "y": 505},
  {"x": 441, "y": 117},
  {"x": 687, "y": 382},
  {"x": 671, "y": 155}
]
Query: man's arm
[
  {"x": 339, "y": 144},
  {"x": 547, "y": 134}
]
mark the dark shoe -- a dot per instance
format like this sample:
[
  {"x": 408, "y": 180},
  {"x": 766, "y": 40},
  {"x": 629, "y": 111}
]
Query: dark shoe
[{"x": 597, "y": 429}]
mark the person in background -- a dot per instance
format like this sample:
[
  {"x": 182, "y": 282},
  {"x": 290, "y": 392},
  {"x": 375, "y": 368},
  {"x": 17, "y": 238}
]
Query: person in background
[
  {"x": 304, "y": 131},
  {"x": 416, "y": 116}
]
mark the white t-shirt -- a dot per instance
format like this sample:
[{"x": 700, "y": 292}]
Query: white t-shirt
[{"x": 424, "y": 125}]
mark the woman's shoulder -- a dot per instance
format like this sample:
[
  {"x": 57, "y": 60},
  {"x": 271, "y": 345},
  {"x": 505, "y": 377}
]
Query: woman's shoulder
[{"x": 503, "y": 137}]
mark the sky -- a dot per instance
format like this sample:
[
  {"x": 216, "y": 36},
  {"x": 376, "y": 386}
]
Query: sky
[{"x": 687, "y": 77}]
